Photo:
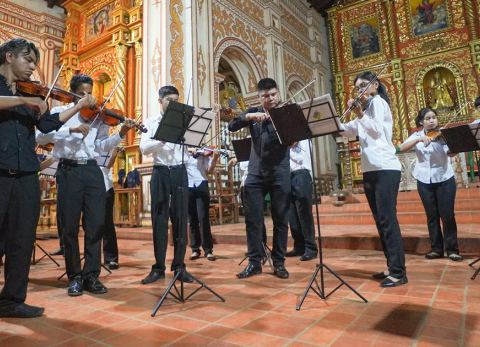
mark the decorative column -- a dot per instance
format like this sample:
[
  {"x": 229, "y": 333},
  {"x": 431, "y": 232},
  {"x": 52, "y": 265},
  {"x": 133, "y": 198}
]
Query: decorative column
[
  {"x": 69, "y": 55},
  {"x": 177, "y": 48},
  {"x": 472, "y": 19},
  {"x": 138, "y": 86},
  {"x": 398, "y": 80},
  {"x": 121, "y": 68}
]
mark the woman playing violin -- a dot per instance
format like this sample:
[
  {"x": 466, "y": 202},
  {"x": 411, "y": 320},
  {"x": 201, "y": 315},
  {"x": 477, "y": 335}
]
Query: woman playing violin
[
  {"x": 381, "y": 170},
  {"x": 435, "y": 184},
  {"x": 81, "y": 188}
]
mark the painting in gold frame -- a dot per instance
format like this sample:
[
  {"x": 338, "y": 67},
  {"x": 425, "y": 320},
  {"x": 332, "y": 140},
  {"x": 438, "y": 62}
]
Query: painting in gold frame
[
  {"x": 428, "y": 16},
  {"x": 97, "y": 23},
  {"x": 365, "y": 38}
]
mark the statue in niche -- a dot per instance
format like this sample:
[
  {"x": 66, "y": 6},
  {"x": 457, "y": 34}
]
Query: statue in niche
[
  {"x": 441, "y": 90},
  {"x": 231, "y": 101}
]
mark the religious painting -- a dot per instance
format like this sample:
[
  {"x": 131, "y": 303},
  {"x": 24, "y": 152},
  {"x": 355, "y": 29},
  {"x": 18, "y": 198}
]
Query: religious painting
[
  {"x": 428, "y": 16},
  {"x": 440, "y": 89},
  {"x": 98, "y": 22},
  {"x": 364, "y": 38}
]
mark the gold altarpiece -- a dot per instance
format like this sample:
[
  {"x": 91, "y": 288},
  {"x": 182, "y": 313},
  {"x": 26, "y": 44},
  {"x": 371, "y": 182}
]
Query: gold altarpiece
[
  {"x": 103, "y": 39},
  {"x": 432, "y": 49}
]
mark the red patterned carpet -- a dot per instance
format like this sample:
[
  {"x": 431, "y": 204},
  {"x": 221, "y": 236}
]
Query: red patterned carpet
[{"x": 439, "y": 307}]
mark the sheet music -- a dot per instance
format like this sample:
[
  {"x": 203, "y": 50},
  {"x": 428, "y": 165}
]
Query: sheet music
[
  {"x": 321, "y": 115},
  {"x": 198, "y": 127}
]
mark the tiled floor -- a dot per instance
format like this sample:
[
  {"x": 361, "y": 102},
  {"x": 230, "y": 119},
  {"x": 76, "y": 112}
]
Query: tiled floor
[{"x": 439, "y": 307}]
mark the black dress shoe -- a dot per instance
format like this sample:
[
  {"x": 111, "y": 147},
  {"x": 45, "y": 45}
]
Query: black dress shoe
[
  {"x": 250, "y": 270},
  {"x": 75, "y": 287},
  {"x": 293, "y": 253},
  {"x": 112, "y": 265},
  {"x": 434, "y": 255},
  {"x": 153, "y": 276},
  {"x": 93, "y": 285},
  {"x": 280, "y": 271},
  {"x": 59, "y": 251},
  {"x": 391, "y": 281},
  {"x": 308, "y": 256},
  {"x": 184, "y": 276},
  {"x": 381, "y": 275},
  {"x": 21, "y": 311}
]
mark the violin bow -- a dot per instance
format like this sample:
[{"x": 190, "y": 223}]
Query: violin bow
[
  {"x": 455, "y": 116},
  {"x": 348, "y": 110},
  {"x": 54, "y": 82},
  {"x": 104, "y": 104},
  {"x": 297, "y": 93}
]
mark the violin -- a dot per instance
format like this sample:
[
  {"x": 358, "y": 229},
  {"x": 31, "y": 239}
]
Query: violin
[
  {"x": 435, "y": 135},
  {"x": 110, "y": 117},
  {"x": 207, "y": 151}
]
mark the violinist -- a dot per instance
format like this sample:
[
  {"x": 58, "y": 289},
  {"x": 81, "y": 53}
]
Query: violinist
[
  {"x": 268, "y": 172},
  {"x": 199, "y": 165},
  {"x": 169, "y": 181},
  {"x": 81, "y": 189},
  {"x": 435, "y": 184},
  {"x": 381, "y": 170},
  {"x": 20, "y": 193}
]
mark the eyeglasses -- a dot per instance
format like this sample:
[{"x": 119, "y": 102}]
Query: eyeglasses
[
  {"x": 361, "y": 86},
  {"x": 268, "y": 95}
]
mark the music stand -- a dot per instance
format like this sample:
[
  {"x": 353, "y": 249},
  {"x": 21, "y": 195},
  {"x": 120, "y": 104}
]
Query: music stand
[
  {"x": 316, "y": 117},
  {"x": 242, "y": 150},
  {"x": 184, "y": 125},
  {"x": 464, "y": 138}
]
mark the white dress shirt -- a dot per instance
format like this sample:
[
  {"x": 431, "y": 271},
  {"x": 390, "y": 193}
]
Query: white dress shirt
[
  {"x": 243, "y": 166},
  {"x": 374, "y": 131},
  {"x": 75, "y": 146},
  {"x": 163, "y": 153},
  {"x": 197, "y": 169},
  {"x": 433, "y": 164},
  {"x": 300, "y": 157}
]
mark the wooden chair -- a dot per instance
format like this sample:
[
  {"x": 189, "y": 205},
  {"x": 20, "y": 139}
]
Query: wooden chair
[{"x": 224, "y": 196}]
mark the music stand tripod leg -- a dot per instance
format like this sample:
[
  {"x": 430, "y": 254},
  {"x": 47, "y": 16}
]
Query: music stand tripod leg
[
  {"x": 267, "y": 256},
  {"x": 45, "y": 255},
  {"x": 474, "y": 262}
]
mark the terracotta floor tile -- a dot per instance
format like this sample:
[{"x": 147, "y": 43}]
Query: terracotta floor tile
[
  {"x": 251, "y": 338},
  {"x": 215, "y": 331}
]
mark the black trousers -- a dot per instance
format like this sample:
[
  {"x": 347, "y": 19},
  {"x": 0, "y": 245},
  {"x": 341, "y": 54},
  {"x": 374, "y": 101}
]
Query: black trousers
[
  {"x": 439, "y": 202},
  {"x": 19, "y": 212},
  {"x": 169, "y": 192},
  {"x": 60, "y": 225},
  {"x": 256, "y": 187},
  {"x": 300, "y": 214},
  {"x": 264, "y": 228},
  {"x": 110, "y": 246},
  {"x": 381, "y": 189},
  {"x": 81, "y": 193},
  {"x": 198, "y": 206}
]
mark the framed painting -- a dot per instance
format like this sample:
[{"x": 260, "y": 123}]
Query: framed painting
[
  {"x": 364, "y": 38},
  {"x": 428, "y": 16},
  {"x": 98, "y": 22}
]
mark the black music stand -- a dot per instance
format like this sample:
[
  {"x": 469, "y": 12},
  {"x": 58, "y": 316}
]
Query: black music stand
[
  {"x": 312, "y": 118},
  {"x": 242, "y": 150},
  {"x": 463, "y": 138},
  {"x": 184, "y": 125}
]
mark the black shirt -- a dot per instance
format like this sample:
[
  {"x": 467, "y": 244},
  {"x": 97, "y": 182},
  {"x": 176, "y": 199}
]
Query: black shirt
[
  {"x": 267, "y": 155},
  {"x": 17, "y": 134}
]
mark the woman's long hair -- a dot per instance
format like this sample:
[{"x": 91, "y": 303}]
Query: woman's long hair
[
  {"x": 370, "y": 76},
  {"x": 421, "y": 115}
]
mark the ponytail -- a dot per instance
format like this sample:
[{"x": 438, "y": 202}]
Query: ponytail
[{"x": 370, "y": 76}]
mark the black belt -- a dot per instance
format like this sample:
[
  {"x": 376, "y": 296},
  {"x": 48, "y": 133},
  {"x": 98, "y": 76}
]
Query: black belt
[
  {"x": 14, "y": 173},
  {"x": 77, "y": 162},
  {"x": 299, "y": 172},
  {"x": 169, "y": 167}
]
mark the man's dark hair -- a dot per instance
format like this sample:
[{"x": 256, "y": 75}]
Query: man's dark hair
[
  {"x": 421, "y": 115},
  {"x": 167, "y": 90},
  {"x": 477, "y": 102},
  {"x": 17, "y": 46},
  {"x": 78, "y": 80},
  {"x": 266, "y": 84}
]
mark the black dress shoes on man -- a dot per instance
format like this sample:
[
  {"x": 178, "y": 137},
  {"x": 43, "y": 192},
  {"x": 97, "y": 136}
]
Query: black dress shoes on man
[
  {"x": 153, "y": 276},
  {"x": 112, "y": 265},
  {"x": 75, "y": 287},
  {"x": 184, "y": 276},
  {"x": 250, "y": 270},
  {"x": 381, "y": 275},
  {"x": 93, "y": 285},
  {"x": 293, "y": 253},
  {"x": 391, "y": 281},
  {"x": 308, "y": 256},
  {"x": 16, "y": 310},
  {"x": 280, "y": 271}
]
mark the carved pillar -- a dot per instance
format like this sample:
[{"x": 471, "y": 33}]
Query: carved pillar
[
  {"x": 121, "y": 64},
  {"x": 398, "y": 80},
  {"x": 472, "y": 19},
  {"x": 177, "y": 50},
  {"x": 475, "y": 52},
  {"x": 138, "y": 86},
  {"x": 391, "y": 28},
  {"x": 69, "y": 55}
]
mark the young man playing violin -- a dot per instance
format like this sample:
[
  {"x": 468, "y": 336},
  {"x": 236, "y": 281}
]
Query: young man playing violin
[
  {"x": 81, "y": 188},
  {"x": 169, "y": 194},
  {"x": 268, "y": 172},
  {"x": 20, "y": 193},
  {"x": 199, "y": 165}
]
